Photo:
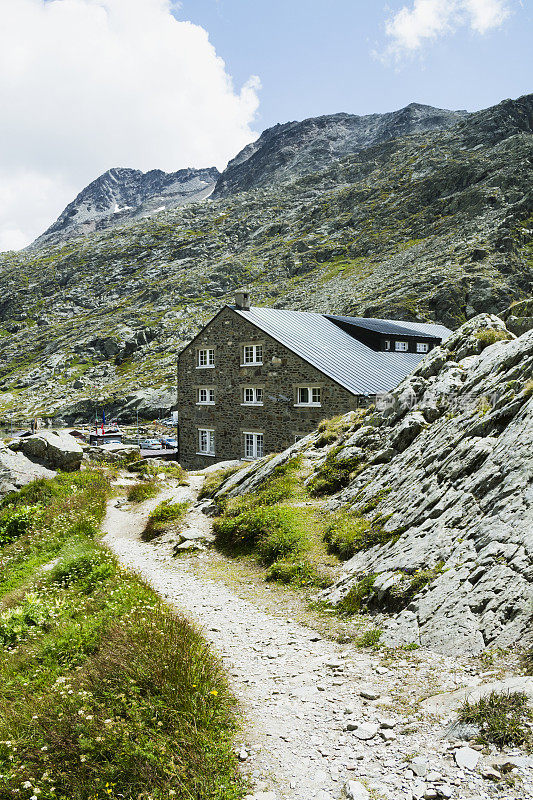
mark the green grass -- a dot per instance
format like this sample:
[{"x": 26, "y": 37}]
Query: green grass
[
  {"x": 334, "y": 474},
  {"x": 214, "y": 481},
  {"x": 503, "y": 719},
  {"x": 104, "y": 692},
  {"x": 347, "y": 534},
  {"x": 141, "y": 491},
  {"x": 162, "y": 516},
  {"x": 356, "y": 599},
  {"x": 298, "y": 573},
  {"x": 488, "y": 336}
]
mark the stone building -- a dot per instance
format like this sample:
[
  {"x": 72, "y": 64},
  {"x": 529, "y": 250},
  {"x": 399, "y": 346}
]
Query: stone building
[{"x": 254, "y": 380}]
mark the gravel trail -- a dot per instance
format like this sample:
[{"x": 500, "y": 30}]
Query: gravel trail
[{"x": 297, "y": 689}]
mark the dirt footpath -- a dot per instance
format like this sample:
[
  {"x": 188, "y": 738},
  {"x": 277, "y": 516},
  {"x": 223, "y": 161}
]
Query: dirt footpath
[{"x": 318, "y": 714}]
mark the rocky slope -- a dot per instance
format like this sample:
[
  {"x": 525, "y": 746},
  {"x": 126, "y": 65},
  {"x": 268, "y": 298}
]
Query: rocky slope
[
  {"x": 444, "y": 467},
  {"x": 435, "y": 225},
  {"x": 299, "y": 148},
  {"x": 121, "y": 194}
]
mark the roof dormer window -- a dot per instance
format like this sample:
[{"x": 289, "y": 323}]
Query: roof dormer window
[{"x": 401, "y": 347}]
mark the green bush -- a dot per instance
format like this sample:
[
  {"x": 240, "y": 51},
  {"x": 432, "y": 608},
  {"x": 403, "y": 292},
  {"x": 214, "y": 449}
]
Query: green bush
[
  {"x": 17, "y": 521},
  {"x": 334, "y": 474},
  {"x": 274, "y": 531},
  {"x": 347, "y": 534},
  {"x": 503, "y": 719},
  {"x": 16, "y": 622},
  {"x": 163, "y": 514},
  {"x": 489, "y": 336},
  {"x": 356, "y": 599},
  {"x": 528, "y": 389},
  {"x": 247, "y": 527},
  {"x": 214, "y": 481},
  {"x": 370, "y": 638},
  {"x": 81, "y": 563},
  {"x": 297, "y": 573},
  {"x": 283, "y": 541},
  {"x": 142, "y": 491}
]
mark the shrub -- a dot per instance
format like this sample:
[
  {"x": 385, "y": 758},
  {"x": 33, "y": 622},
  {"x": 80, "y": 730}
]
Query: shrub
[
  {"x": 214, "y": 481},
  {"x": 142, "y": 491},
  {"x": 489, "y": 336},
  {"x": 356, "y": 599},
  {"x": 275, "y": 532},
  {"x": 331, "y": 429},
  {"x": 297, "y": 573},
  {"x": 163, "y": 514},
  {"x": 147, "y": 469},
  {"x": 528, "y": 389},
  {"x": 283, "y": 541},
  {"x": 334, "y": 474},
  {"x": 246, "y": 528},
  {"x": 347, "y": 534},
  {"x": 502, "y": 718},
  {"x": 16, "y": 622},
  {"x": 370, "y": 638},
  {"x": 82, "y": 564},
  {"x": 17, "y": 521}
]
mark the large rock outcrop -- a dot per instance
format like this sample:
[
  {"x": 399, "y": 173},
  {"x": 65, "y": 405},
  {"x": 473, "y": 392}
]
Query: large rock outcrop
[
  {"x": 445, "y": 462},
  {"x": 16, "y": 470},
  {"x": 53, "y": 449}
]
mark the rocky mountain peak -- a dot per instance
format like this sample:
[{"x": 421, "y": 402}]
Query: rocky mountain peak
[
  {"x": 298, "y": 148},
  {"x": 122, "y": 194}
]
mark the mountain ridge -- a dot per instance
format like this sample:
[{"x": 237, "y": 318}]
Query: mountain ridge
[
  {"x": 122, "y": 194},
  {"x": 434, "y": 226}
]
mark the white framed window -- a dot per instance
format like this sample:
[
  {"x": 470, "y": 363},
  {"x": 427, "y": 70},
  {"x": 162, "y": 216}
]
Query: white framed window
[
  {"x": 308, "y": 396},
  {"x": 206, "y": 358},
  {"x": 206, "y": 442},
  {"x": 387, "y": 344},
  {"x": 422, "y": 347},
  {"x": 253, "y": 445},
  {"x": 252, "y": 396},
  {"x": 252, "y": 354},
  {"x": 401, "y": 347},
  {"x": 205, "y": 396}
]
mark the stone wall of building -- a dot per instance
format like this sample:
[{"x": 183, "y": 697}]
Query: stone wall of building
[{"x": 280, "y": 422}]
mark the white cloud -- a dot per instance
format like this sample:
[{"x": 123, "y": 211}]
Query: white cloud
[
  {"x": 412, "y": 26},
  {"x": 86, "y": 85}
]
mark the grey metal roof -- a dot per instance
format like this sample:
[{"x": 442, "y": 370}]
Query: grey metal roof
[
  {"x": 395, "y": 327},
  {"x": 335, "y": 353}
]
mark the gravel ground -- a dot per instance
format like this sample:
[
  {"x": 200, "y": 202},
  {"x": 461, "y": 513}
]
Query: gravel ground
[{"x": 319, "y": 716}]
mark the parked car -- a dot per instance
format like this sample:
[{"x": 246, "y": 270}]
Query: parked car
[
  {"x": 150, "y": 444},
  {"x": 169, "y": 442}
]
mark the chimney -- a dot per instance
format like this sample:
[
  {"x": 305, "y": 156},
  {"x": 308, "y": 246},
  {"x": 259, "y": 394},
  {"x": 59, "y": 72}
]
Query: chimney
[{"x": 242, "y": 301}]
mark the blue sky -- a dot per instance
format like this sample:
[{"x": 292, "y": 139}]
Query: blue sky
[{"x": 315, "y": 57}]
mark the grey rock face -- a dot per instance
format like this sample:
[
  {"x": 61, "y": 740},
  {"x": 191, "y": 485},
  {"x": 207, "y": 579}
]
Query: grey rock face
[
  {"x": 455, "y": 491},
  {"x": 52, "y": 449},
  {"x": 298, "y": 148},
  {"x": 16, "y": 470},
  {"x": 123, "y": 194}
]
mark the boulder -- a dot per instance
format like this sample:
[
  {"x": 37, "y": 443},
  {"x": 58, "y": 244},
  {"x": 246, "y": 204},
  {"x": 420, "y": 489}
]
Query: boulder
[
  {"x": 16, "y": 470},
  {"x": 52, "y": 449},
  {"x": 112, "y": 453}
]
